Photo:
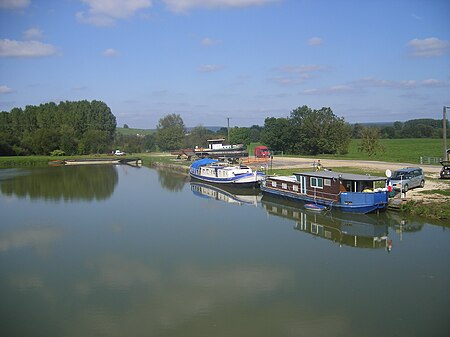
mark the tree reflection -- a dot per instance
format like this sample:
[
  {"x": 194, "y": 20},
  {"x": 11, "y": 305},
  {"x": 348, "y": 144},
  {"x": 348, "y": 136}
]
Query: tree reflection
[
  {"x": 171, "y": 180},
  {"x": 63, "y": 183}
]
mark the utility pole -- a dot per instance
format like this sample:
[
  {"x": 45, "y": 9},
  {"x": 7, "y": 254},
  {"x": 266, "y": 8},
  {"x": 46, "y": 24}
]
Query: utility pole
[
  {"x": 444, "y": 130},
  {"x": 228, "y": 129}
]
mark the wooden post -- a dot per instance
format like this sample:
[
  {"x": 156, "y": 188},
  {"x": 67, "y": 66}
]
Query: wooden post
[{"x": 444, "y": 131}]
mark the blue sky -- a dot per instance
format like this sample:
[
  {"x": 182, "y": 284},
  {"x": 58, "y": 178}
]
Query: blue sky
[{"x": 206, "y": 60}]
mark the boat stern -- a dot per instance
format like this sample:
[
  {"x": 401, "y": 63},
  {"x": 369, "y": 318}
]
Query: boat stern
[{"x": 364, "y": 202}]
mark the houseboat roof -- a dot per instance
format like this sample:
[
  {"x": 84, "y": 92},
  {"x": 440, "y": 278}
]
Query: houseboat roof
[
  {"x": 341, "y": 176},
  {"x": 202, "y": 162},
  {"x": 219, "y": 140}
]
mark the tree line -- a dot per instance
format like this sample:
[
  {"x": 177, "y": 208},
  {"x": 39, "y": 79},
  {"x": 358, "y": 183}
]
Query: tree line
[
  {"x": 80, "y": 127},
  {"x": 305, "y": 131},
  {"x": 414, "y": 128},
  {"x": 85, "y": 127}
]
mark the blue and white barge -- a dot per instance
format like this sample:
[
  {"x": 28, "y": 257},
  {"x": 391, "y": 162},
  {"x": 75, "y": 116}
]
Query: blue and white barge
[
  {"x": 213, "y": 171},
  {"x": 348, "y": 192}
]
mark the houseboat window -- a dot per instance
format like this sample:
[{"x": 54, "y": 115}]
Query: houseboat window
[
  {"x": 327, "y": 182},
  {"x": 274, "y": 184},
  {"x": 295, "y": 188},
  {"x": 316, "y": 182},
  {"x": 284, "y": 186}
]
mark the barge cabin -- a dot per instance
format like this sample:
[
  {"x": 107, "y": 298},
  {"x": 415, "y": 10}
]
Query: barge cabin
[{"x": 348, "y": 192}]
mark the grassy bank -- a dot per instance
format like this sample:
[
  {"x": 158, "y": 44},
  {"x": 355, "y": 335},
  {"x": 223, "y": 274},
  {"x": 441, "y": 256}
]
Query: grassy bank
[
  {"x": 395, "y": 150},
  {"x": 25, "y": 161},
  {"x": 434, "y": 210}
]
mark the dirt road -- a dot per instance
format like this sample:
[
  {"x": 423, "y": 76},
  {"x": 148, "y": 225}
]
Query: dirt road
[{"x": 288, "y": 162}]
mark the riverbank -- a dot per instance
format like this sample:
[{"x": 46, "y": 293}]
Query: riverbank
[{"x": 432, "y": 201}]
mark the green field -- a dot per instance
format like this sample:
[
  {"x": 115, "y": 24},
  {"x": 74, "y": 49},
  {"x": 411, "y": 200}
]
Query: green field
[{"x": 396, "y": 150}]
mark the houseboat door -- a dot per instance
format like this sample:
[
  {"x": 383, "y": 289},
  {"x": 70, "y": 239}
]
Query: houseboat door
[{"x": 302, "y": 184}]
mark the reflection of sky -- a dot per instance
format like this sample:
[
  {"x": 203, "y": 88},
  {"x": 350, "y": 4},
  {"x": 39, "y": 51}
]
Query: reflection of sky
[
  {"x": 36, "y": 237},
  {"x": 151, "y": 261}
]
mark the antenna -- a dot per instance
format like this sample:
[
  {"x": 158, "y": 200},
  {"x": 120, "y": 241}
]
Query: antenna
[{"x": 228, "y": 129}]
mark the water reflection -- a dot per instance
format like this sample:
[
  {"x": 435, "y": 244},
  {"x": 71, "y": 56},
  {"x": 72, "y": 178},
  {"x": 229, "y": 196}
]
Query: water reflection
[
  {"x": 38, "y": 237},
  {"x": 229, "y": 194},
  {"x": 66, "y": 183},
  {"x": 171, "y": 180},
  {"x": 129, "y": 267},
  {"x": 354, "y": 230}
]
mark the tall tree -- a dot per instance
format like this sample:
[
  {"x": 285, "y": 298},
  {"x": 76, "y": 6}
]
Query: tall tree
[
  {"x": 170, "y": 132},
  {"x": 319, "y": 131},
  {"x": 370, "y": 141},
  {"x": 276, "y": 134},
  {"x": 197, "y": 137},
  {"x": 239, "y": 135}
]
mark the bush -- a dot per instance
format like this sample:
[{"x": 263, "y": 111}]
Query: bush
[{"x": 57, "y": 153}]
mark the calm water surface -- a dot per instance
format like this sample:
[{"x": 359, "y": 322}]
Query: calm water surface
[{"x": 123, "y": 251}]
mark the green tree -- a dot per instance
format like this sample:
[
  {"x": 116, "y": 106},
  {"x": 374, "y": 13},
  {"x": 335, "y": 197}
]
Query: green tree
[
  {"x": 95, "y": 141},
  {"x": 276, "y": 134},
  {"x": 319, "y": 131},
  {"x": 170, "y": 132},
  {"x": 150, "y": 142},
  {"x": 239, "y": 135},
  {"x": 197, "y": 137},
  {"x": 370, "y": 141}
]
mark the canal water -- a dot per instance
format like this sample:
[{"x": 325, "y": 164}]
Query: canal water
[{"x": 125, "y": 251}]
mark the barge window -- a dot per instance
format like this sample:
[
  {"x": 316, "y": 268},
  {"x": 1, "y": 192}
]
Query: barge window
[
  {"x": 274, "y": 184},
  {"x": 295, "y": 188},
  {"x": 327, "y": 182},
  {"x": 284, "y": 186},
  {"x": 316, "y": 182}
]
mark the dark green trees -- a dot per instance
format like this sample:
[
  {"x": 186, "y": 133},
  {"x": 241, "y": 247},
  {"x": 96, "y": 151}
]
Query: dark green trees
[
  {"x": 170, "y": 132},
  {"x": 74, "y": 127},
  {"x": 308, "y": 131}
]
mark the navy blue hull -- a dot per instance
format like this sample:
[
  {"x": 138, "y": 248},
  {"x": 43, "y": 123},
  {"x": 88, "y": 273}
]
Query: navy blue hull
[{"x": 350, "y": 202}]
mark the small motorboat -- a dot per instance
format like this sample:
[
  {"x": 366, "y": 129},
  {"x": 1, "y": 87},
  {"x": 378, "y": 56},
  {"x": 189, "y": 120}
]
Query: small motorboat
[{"x": 315, "y": 207}]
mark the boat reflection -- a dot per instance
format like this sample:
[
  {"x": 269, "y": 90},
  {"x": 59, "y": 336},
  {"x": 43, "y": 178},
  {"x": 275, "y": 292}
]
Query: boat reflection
[
  {"x": 354, "y": 230},
  {"x": 229, "y": 194}
]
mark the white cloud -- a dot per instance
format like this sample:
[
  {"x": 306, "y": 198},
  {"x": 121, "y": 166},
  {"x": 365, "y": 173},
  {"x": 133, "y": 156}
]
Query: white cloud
[
  {"x": 301, "y": 69},
  {"x": 292, "y": 75},
  {"x": 374, "y": 82},
  {"x": 431, "y": 82},
  {"x": 206, "y": 41},
  {"x": 315, "y": 41},
  {"x": 337, "y": 89},
  {"x": 429, "y": 47},
  {"x": 33, "y": 34},
  {"x": 110, "y": 52},
  {"x": 209, "y": 68},
  {"x": 14, "y": 4},
  {"x": 4, "y": 89},
  {"x": 180, "y": 6},
  {"x": 12, "y": 48},
  {"x": 106, "y": 12}
]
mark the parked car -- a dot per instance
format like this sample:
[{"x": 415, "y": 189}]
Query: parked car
[
  {"x": 407, "y": 178},
  {"x": 119, "y": 153},
  {"x": 445, "y": 170}
]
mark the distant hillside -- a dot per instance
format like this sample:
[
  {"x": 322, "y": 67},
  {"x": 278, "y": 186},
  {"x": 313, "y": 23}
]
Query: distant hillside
[
  {"x": 210, "y": 128},
  {"x": 131, "y": 131}
]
